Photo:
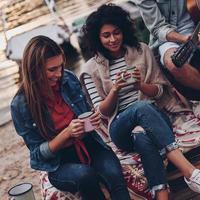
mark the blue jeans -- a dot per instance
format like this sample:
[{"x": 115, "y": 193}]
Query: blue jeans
[
  {"x": 156, "y": 140},
  {"x": 73, "y": 176}
]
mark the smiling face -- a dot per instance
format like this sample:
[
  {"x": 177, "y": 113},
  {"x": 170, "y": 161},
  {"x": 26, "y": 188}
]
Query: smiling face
[
  {"x": 111, "y": 38},
  {"x": 54, "y": 67}
]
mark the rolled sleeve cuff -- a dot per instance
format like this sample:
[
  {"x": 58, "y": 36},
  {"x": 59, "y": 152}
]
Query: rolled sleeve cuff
[
  {"x": 158, "y": 188},
  {"x": 169, "y": 148},
  {"x": 45, "y": 151},
  {"x": 102, "y": 115},
  {"x": 164, "y": 31}
]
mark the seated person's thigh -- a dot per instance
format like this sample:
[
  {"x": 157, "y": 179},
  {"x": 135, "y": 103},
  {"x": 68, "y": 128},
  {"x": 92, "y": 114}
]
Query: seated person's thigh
[
  {"x": 166, "y": 50},
  {"x": 195, "y": 60}
]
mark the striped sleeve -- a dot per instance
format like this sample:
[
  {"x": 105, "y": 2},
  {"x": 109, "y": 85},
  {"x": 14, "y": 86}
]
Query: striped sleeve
[{"x": 92, "y": 91}]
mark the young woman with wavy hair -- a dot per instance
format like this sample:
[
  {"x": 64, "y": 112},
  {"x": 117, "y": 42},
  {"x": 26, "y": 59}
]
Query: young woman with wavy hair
[{"x": 45, "y": 113}]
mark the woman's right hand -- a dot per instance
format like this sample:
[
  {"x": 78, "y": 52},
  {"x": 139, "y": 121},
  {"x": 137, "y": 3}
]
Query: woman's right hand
[
  {"x": 108, "y": 105},
  {"x": 120, "y": 80},
  {"x": 76, "y": 128},
  {"x": 66, "y": 137}
]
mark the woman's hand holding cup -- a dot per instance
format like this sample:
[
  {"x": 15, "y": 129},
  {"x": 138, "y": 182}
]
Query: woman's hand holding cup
[
  {"x": 120, "y": 80},
  {"x": 130, "y": 76},
  {"x": 76, "y": 128},
  {"x": 91, "y": 120}
]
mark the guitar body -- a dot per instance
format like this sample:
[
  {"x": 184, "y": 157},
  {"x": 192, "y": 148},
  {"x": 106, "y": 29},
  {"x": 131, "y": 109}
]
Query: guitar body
[{"x": 193, "y": 7}]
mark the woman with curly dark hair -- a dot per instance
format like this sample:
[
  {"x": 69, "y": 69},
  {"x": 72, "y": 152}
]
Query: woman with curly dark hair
[
  {"x": 130, "y": 87},
  {"x": 111, "y": 15}
]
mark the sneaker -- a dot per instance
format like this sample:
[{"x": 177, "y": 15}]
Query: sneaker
[{"x": 194, "y": 181}]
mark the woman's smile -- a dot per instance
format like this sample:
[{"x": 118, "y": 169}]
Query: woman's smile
[
  {"x": 111, "y": 38},
  {"x": 54, "y": 67}
]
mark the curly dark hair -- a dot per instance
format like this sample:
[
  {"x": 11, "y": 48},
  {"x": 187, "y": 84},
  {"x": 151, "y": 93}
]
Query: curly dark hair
[{"x": 109, "y": 14}]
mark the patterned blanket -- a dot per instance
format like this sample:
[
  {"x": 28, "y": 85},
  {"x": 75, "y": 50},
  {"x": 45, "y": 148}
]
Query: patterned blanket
[{"x": 186, "y": 127}]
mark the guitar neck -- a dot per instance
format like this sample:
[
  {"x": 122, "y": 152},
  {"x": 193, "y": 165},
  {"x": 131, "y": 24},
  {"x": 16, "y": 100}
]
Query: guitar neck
[{"x": 193, "y": 7}]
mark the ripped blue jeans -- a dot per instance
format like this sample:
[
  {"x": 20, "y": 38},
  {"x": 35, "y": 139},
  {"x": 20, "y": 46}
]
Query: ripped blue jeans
[{"x": 152, "y": 144}]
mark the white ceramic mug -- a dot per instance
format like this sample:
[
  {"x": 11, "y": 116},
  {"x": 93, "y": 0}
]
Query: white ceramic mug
[
  {"x": 22, "y": 191},
  {"x": 131, "y": 79},
  {"x": 87, "y": 124}
]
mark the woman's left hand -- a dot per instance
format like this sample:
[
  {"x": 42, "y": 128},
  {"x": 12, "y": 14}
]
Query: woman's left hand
[
  {"x": 137, "y": 76},
  {"x": 95, "y": 119}
]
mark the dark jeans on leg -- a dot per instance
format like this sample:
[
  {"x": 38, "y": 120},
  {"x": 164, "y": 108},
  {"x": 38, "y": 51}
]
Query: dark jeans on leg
[
  {"x": 156, "y": 139},
  {"x": 73, "y": 176}
]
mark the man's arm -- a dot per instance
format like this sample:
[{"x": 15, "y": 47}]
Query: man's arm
[
  {"x": 177, "y": 37},
  {"x": 153, "y": 19},
  {"x": 186, "y": 75}
]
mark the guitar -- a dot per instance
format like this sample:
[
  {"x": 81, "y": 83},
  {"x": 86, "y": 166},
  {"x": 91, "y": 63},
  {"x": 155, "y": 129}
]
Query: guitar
[
  {"x": 185, "y": 51},
  {"x": 193, "y": 7}
]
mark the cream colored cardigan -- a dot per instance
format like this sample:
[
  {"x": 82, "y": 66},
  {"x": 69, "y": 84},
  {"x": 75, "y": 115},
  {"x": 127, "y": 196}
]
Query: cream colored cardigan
[{"x": 98, "y": 68}]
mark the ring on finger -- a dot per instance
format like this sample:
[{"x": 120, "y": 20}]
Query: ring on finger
[{"x": 122, "y": 77}]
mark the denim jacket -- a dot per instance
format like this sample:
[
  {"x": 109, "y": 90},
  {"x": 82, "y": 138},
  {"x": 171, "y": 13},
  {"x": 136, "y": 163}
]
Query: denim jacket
[
  {"x": 164, "y": 16},
  {"x": 41, "y": 158}
]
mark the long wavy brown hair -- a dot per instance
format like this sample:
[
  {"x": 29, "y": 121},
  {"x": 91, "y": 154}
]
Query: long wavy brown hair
[{"x": 34, "y": 80}]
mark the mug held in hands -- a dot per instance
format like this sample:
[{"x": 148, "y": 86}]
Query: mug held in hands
[
  {"x": 86, "y": 118},
  {"x": 131, "y": 80}
]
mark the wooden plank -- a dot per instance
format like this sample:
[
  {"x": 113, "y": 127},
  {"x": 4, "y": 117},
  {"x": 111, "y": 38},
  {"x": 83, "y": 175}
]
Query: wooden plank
[
  {"x": 5, "y": 64},
  {"x": 9, "y": 81},
  {"x": 9, "y": 71},
  {"x": 5, "y": 116}
]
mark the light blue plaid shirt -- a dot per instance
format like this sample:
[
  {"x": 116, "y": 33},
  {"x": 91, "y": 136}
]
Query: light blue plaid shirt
[{"x": 164, "y": 16}]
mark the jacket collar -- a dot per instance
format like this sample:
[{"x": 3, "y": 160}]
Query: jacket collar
[
  {"x": 65, "y": 79},
  {"x": 129, "y": 56}
]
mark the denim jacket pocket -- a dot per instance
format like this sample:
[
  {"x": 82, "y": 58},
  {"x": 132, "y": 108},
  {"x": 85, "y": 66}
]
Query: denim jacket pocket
[
  {"x": 30, "y": 124},
  {"x": 78, "y": 99},
  {"x": 31, "y": 127},
  {"x": 79, "y": 102},
  {"x": 31, "y": 135}
]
